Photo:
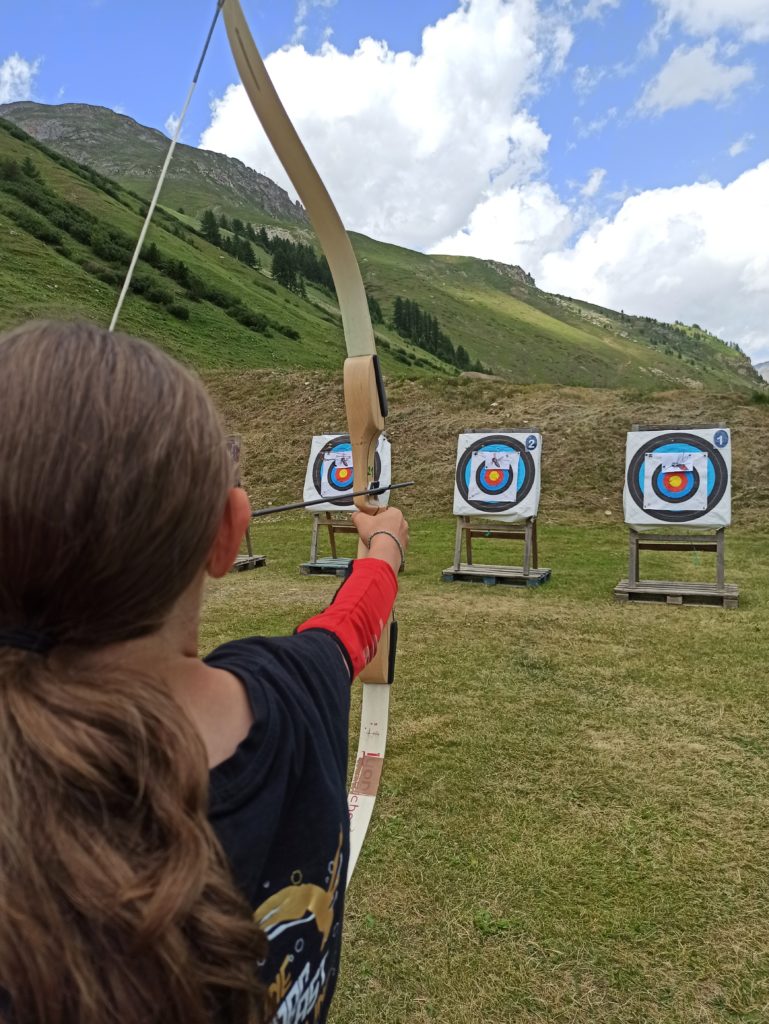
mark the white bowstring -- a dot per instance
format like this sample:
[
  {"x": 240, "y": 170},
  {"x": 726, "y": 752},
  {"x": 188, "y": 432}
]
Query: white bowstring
[{"x": 164, "y": 171}]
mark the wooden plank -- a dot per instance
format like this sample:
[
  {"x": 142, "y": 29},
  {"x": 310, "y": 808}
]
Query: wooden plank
[
  {"x": 720, "y": 558},
  {"x": 679, "y": 587},
  {"x": 326, "y": 567},
  {"x": 656, "y": 426},
  {"x": 632, "y": 570},
  {"x": 676, "y": 592},
  {"x": 495, "y": 574},
  {"x": 711, "y": 547},
  {"x": 502, "y": 430},
  {"x": 677, "y": 538},
  {"x": 246, "y": 562}
]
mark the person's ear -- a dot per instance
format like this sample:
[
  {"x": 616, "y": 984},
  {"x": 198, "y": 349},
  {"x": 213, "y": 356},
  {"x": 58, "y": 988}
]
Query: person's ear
[{"x": 232, "y": 527}]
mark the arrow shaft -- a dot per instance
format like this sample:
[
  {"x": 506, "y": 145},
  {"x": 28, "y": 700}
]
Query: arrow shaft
[{"x": 274, "y": 509}]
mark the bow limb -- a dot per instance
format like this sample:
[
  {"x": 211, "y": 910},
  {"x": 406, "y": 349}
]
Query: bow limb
[
  {"x": 364, "y": 391},
  {"x": 365, "y": 398}
]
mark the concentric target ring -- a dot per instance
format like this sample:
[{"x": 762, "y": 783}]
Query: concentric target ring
[
  {"x": 340, "y": 482},
  {"x": 505, "y": 442},
  {"x": 677, "y": 441},
  {"x": 667, "y": 486}
]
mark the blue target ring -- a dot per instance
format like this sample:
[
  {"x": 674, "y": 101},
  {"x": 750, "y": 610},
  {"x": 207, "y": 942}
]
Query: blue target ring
[{"x": 492, "y": 481}]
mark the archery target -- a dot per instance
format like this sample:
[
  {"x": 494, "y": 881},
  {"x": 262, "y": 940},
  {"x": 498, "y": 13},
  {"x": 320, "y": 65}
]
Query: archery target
[
  {"x": 498, "y": 475},
  {"x": 678, "y": 478},
  {"x": 330, "y": 471}
]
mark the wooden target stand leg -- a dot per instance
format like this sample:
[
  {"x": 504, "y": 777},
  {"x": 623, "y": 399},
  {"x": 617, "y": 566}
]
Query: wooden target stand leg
[
  {"x": 247, "y": 560},
  {"x": 529, "y": 574},
  {"x": 335, "y": 565},
  {"x": 677, "y": 592}
]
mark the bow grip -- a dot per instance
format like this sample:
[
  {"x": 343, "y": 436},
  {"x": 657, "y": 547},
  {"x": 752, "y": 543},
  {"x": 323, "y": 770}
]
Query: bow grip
[{"x": 366, "y": 404}]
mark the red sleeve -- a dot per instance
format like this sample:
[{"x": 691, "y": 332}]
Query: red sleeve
[{"x": 359, "y": 611}]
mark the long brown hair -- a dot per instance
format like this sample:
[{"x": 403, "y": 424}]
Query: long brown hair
[{"x": 116, "y": 903}]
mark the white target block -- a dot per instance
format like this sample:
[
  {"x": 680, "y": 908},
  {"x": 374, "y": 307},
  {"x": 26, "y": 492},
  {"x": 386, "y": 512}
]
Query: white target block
[
  {"x": 678, "y": 477},
  {"x": 330, "y": 472},
  {"x": 498, "y": 475}
]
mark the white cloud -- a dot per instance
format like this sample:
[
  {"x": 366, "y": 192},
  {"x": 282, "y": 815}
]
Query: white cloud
[
  {"x": 593, "y": 184},
  {"x": 518, "y": 226},
  {"x": 595, "y": 8},
  {"x": 741, "y": 144},
  {"x": 695, "y": 253},
  {"x": 693, "y": 75},
  {"x": 17, "y": 76},
  {"x": 171, "y": 124},
  {"x": 597, "y": 125},
  {"x": 749, "y": 18},
  {"x": 586, "y": 79},
  {"x": 303, "y": 10},
  {"x": 409, "y": 144}
]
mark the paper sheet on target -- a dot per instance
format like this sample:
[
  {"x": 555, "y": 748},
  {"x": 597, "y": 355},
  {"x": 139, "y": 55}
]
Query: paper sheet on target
[
  {"x": 676, "y": 479},
  {"x": 491, "y": 465}
]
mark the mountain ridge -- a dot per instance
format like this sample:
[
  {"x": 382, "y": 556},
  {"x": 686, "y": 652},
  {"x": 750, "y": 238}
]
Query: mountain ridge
[
  {"x": 135, "y": 154},
  {"x": 494, "y": 311}
]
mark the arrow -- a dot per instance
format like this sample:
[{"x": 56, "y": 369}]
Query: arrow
[{"x": 371, "y": 493}]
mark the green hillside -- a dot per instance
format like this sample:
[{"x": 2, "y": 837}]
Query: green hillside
[
  {"x": 66, "y": 236},
  {"x": 242, "y": 317}
]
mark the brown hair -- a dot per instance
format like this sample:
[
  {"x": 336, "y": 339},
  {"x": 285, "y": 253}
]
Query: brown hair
[{"x": 116, "y": 903}]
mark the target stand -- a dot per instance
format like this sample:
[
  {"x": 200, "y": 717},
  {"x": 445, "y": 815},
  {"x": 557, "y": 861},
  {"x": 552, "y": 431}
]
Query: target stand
[
  {"x": 720, "y": 593},
  {"x": 245, "y": 560},
  {"x": 248, "y": 560},
  {"x": 677, "y": 478},
  {"x": 332, "y": 565},
  {"x": 527, "y": 575},
  {"x": 329, "y": 481}
]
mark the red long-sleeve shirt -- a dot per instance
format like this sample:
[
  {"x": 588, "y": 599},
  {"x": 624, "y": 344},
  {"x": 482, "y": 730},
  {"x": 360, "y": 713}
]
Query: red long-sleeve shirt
[{"x": 359, "y": 610}]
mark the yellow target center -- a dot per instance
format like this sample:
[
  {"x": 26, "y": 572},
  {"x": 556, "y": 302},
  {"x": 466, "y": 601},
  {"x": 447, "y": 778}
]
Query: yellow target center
[
  {"x": 495, "y": 476},
  {"x": 343, "y": 474},
  {"x": 675, "y": 480}
]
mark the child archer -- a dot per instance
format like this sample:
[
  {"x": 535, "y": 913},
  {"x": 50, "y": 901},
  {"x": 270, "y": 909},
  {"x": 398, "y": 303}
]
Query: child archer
[{"x": 174, "y": 831}]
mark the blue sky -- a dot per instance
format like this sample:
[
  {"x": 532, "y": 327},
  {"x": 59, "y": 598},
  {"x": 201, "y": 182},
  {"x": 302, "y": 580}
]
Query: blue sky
[{"x": 619, "y": 149}]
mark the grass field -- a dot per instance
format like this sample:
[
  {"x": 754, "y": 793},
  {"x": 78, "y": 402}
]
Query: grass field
[{"x": 572, "y": 825}]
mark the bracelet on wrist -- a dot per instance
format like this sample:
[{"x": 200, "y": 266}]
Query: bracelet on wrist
[{"x": 386, "y": 533}]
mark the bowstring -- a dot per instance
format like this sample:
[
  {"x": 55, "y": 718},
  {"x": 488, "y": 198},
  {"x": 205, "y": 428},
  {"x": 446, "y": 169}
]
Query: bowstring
[{"x": 164, "y": 171}]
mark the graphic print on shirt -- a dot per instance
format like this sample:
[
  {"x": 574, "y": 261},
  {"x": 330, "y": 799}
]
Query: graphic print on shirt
[{"x": 302, "y": 917}]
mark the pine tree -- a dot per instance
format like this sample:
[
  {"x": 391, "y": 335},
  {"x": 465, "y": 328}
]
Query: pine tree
[{"x": 210, "y": 228}]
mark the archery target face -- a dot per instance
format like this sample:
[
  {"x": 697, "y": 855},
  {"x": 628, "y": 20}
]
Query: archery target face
[
  {"x": 678, "y": 478},
  {"x": 330, "y": 471},
  {"x": 498, "y": 475}
]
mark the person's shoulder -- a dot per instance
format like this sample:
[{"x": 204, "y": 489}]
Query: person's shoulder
[{"x": 312, "y": 652}]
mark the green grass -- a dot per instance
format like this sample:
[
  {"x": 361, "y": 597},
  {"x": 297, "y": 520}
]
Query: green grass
[{"x": 572, "y": 821}]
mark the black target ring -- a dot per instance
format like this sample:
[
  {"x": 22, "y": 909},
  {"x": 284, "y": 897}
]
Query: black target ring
[
  {"x": 652, "y": 446},
  {"x": 479, "y": 445},
  {"x": 317, "y": 471},
  {"x": 674, "y": 499}
]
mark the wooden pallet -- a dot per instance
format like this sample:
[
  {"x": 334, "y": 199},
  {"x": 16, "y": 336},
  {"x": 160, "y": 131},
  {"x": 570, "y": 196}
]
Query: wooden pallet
[
  {"x": 326, "y": 567},
  {"x": 245, "y": 562},
  {"x": 725, "y": 595},
  {"x": 512, "y": 575}
]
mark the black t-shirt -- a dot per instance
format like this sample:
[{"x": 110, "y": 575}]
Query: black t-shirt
[{"x": 279, "y": 808}]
